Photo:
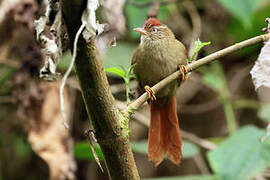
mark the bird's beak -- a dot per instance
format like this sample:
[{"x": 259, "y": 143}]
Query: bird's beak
[{"x": 140, "y": 30}]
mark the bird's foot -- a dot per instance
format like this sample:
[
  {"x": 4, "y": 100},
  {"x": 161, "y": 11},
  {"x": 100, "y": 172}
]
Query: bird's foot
[
  {"x": 150, "y": 92},
  {"x": 183, "y": 71}
]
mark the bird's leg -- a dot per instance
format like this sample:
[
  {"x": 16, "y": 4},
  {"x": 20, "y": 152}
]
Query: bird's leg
[
  {"x": 150, "y": 93},
  {"x": 183, "y": 71}
]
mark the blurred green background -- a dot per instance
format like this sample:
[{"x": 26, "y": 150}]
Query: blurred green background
[{"x": 218, "y": 104}]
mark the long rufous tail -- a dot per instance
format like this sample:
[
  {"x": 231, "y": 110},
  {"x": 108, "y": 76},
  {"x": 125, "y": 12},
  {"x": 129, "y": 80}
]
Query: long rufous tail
[{"x": 164, "y": 134}]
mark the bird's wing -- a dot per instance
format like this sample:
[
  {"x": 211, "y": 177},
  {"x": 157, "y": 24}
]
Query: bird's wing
[{"x": 181, "y": 46}]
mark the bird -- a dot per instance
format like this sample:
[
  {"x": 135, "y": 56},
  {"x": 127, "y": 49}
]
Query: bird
[{"x": 158, "y": 55}]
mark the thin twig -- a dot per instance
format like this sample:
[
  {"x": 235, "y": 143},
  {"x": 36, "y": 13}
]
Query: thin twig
[
  {"x": 200, "y": 107},
  {"x": 62, "y": 86},
  {"x": 197, "y": 140},
  {"x": 201, "y": 164},
  {"x": 116, "y": 88},
  {"x": 90, "y": 138},
  {"x": 190, "y": 67},
  {"x": 196, "y": 24}
]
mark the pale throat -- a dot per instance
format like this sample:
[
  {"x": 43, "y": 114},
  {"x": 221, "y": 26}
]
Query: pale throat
[
  {"x": 146, "y": 41},
  {"x": 142, "y": 40}
]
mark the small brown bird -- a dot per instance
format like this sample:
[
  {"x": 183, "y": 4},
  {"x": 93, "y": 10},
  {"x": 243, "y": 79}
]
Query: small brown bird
[{"x": 159, "y": 55}]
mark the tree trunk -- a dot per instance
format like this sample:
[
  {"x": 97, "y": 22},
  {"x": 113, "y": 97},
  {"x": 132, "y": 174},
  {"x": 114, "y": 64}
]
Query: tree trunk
[{"x": 109, "y": 124}]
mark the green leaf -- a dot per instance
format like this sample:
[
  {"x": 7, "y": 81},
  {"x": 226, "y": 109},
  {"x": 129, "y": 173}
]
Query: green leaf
[
  {"x": 133, "y": 76},
  {"x": 198, "y": 46},
  {"x": 130, "y": 74},
  {"x": 82, "y": 151},
  {"x": 123, "y": 68},
  {"x": 242, "y": 156},
  {"x": 189, "y": 149},
  {"x": 239, "y": 33},
  {"x": 116, "y": 71},
  {"x": 131, "y": 68},
  {"x": 242, "y": 9},
  {"x": 203, "y": 177},
  {"x": 126, "y": 74}
]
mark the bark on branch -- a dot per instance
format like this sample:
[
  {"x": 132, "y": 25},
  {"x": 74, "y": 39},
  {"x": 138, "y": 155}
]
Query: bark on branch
[
  {"x": 109, "y": 124},
  {"x": 144, "y": 97}
]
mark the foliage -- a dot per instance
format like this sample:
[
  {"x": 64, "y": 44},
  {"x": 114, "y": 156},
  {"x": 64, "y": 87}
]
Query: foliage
[
  {"x": 126, "y": 74},
  {"x": 243, "y": 10},
  {"x": 239, "y": 32},
  {"x": 242, "y": 156},
  {"x": 82, "y": 151},
  {"x": 198, "y": 46}
]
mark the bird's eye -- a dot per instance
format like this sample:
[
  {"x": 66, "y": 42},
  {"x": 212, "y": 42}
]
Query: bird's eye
[{"x": 154, "y": 30}]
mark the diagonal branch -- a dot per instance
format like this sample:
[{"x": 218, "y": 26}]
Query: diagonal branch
[{"x": 190, "y": 67}]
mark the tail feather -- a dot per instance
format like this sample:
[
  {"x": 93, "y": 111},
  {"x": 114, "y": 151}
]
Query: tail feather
[
  {"x": 164, "y": 134},
  {"x": 156, "y": 150}
]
